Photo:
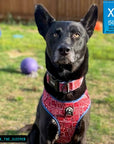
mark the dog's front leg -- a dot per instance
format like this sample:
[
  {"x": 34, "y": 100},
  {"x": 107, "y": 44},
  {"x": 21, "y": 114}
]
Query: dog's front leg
[
  {"x": 52, "y": 131},
  {"x": 80, "y": 133},
  {"x": 33, "y": 137}
]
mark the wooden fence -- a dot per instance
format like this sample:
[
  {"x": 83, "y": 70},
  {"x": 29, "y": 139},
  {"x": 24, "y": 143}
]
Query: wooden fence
[{"x": 60, "y": 9}]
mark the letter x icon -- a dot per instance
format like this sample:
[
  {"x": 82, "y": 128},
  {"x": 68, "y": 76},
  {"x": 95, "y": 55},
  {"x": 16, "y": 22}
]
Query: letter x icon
[{"x": 110, "y": 12}]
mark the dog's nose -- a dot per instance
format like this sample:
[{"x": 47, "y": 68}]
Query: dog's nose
[{"x": 63, "y": 50}]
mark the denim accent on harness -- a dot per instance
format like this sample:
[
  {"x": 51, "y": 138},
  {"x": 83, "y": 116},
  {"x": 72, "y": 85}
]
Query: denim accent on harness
[{"x": 66, "y": 124}]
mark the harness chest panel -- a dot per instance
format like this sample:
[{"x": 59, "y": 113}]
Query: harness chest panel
[{"x": 66, "y": 123}]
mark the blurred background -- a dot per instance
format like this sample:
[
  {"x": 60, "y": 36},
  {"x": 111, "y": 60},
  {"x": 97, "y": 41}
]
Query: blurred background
[
  {"x": 19, "y": 93},
  {"x": 60, "y": 9}
]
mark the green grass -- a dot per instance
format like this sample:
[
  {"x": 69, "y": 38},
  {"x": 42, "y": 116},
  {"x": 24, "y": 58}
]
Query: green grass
[{"x": 19, "y": 94}]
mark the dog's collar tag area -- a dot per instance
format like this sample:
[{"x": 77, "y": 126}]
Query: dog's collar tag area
[{"x": 64, "y": 87}]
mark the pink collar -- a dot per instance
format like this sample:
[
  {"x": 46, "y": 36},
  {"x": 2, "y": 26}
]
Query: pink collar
[{"x": 64, "y": 87}]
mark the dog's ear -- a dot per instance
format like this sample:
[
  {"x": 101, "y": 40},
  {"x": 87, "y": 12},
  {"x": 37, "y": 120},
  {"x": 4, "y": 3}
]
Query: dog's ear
[
  {"x": 89, "y": 21},
  {"x": 43, "y": 19}
]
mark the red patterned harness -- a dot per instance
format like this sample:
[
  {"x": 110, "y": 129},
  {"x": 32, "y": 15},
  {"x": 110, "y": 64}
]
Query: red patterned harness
[{"x": 66, "y": 124}]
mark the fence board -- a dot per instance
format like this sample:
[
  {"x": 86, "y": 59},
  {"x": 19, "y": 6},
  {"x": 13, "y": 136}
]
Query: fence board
[
  {"x": 51, "y": 5},
  {"x": 60, "y": 9}
]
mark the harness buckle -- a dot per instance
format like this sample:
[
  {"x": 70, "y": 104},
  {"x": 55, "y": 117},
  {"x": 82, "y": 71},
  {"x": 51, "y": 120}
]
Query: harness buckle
[
  {"x": 52, "y": 82},
  {"x": 64, "y": 87}
]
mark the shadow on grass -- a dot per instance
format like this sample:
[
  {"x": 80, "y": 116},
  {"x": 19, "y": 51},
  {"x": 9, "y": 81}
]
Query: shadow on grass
[
  {"x": 97, "y": 101},
  {"x": 9, "y": 132},
  {"x": 10, "y": 70},
  {"x": 26, "y": 129},
  {"x": 109, "y": 101},
  {"x": 29, "y": 89}
]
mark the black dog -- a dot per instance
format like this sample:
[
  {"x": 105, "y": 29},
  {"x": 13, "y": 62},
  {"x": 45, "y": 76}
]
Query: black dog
[{"x": 63, "y": 111}]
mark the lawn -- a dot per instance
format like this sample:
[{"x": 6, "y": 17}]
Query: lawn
[{"x": 19, "y": 94}]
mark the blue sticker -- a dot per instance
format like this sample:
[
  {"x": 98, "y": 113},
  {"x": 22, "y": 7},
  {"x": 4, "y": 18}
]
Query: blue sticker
[
  {"x": 17, "y": 36},
  {"x": 108, "y": 16},
  {"x": 0, "y": 33}
]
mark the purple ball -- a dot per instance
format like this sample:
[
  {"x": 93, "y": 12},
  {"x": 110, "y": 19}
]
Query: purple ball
[{"x": 29, "y": 65}]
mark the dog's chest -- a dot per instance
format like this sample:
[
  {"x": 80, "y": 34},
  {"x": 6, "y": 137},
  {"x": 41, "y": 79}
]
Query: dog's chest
[{"x": 66, "y": 114}]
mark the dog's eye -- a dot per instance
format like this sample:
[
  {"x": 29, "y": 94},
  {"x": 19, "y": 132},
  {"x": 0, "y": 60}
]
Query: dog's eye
[
  {"x": 55, "y": 35},
  {"x": 75, "y": 36}
]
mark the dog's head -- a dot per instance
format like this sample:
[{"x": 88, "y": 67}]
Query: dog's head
[{"x": 66, "y": 40}]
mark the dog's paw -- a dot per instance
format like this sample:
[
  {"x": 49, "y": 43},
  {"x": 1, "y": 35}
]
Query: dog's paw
[
  {"x": 53, "y": 132},
  {"x": 49, "y": 142}
]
